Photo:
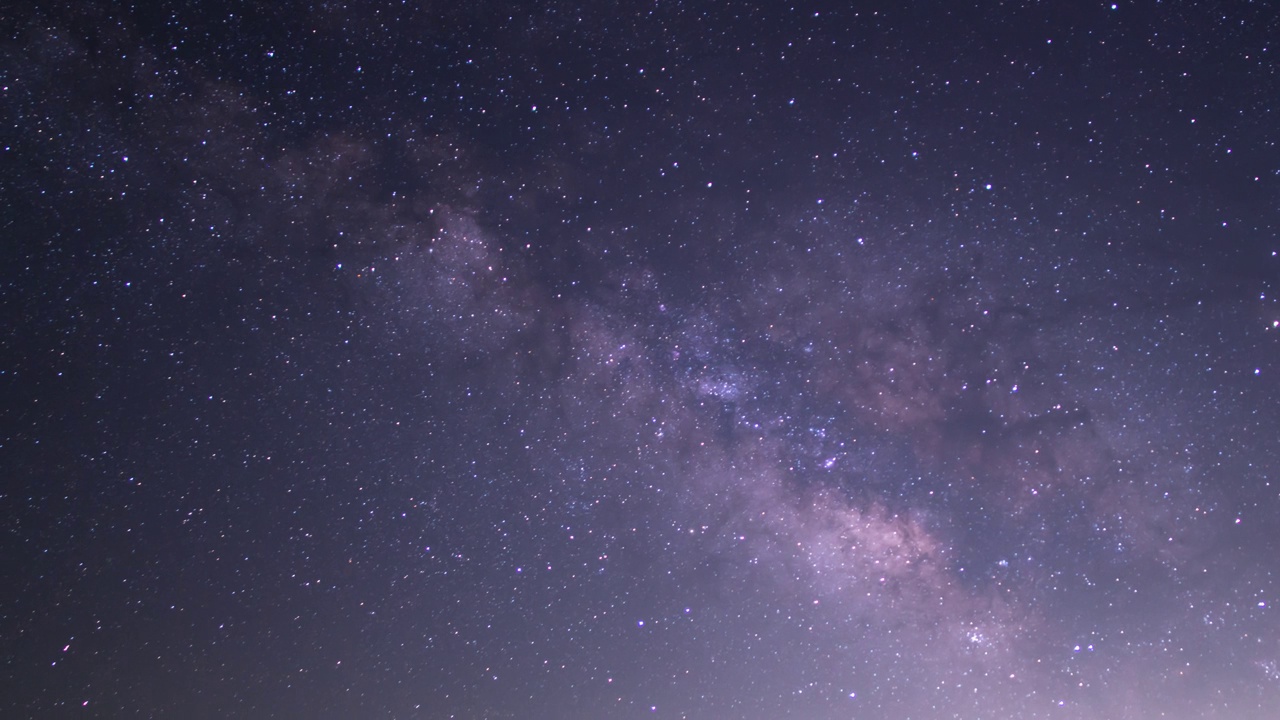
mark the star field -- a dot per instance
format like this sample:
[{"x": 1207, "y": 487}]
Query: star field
[{"x": 681, "y": 360}]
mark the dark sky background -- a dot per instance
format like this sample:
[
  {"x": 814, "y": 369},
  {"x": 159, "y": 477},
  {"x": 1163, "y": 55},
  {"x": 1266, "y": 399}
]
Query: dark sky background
[{"x": 672, "y": 360}]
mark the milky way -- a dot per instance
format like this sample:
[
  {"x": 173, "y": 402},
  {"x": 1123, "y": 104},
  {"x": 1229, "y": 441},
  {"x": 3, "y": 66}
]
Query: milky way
[{"x": 669, "y": 360}]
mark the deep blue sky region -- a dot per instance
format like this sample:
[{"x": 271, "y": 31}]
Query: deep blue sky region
[{"x": 672, "y": 360}]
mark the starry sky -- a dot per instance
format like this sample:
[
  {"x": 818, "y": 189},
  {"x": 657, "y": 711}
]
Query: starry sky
[{"x": 650, "y": 359}]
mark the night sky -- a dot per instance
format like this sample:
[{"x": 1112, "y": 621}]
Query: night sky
[{"x": 675, "y": 360}]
